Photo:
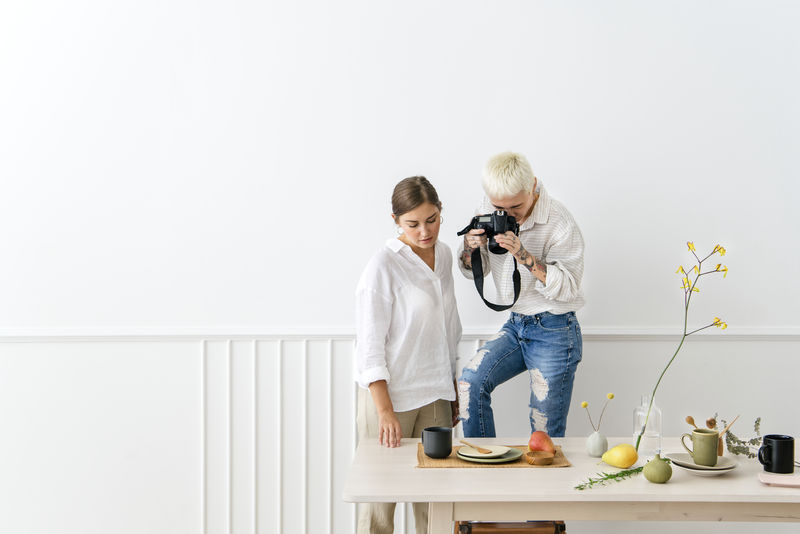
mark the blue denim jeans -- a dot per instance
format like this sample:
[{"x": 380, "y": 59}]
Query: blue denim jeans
[{"x": 548, "y": 347}]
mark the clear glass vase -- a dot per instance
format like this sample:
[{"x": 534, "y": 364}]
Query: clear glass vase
[{"x": 650, "y": 443}]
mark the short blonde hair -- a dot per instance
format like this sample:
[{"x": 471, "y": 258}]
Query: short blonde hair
[{"x": 506, "y": 175}]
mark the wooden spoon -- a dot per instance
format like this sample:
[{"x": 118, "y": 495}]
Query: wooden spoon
[
  {"x": 727, "y": 427},
  {"x": 481, "y": 450},
  {"x": 690, "y": 420}
]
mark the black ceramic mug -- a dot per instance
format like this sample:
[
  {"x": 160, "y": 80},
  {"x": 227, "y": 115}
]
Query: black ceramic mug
[
  {"x": 437, "y": 441},
  {"x": 777, "y": 453}
]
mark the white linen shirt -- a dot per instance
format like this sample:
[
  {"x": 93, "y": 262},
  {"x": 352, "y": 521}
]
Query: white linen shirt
[
  {"x": 553, "y": 237},
  {"x": 407, "y": 325}
]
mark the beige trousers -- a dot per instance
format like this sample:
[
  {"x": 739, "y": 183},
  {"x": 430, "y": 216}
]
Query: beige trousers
[{"x": 378, "y": 518}]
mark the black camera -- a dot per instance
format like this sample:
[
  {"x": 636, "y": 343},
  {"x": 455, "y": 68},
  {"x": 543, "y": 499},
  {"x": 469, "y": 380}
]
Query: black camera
[{"x": 492, "y": 224}]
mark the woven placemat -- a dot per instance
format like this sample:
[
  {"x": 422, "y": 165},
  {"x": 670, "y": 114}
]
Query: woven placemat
[{"x": 454, "y": 461}]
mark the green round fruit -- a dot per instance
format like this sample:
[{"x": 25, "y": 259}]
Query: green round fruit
[{"x": 657, "y": 470}]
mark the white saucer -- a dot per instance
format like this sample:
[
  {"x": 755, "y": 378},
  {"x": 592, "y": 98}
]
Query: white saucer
[
  {"x": 685, "y": 460},
  {"x": 497, "y": 451},
  {"x": 705, "y": 472}
]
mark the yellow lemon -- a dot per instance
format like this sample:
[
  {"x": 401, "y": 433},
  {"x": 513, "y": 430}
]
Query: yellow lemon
[{"x": 623, "y": 455}]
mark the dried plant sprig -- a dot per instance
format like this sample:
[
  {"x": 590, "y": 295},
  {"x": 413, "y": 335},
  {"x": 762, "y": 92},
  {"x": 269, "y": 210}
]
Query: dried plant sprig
[
  {"x": 689, "y": 288},
  {"x": 744, "y": 447},
  {"x": 604, "y": 478}
]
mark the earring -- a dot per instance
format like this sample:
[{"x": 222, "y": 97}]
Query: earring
[
  {"x": 441, "y": 220},
  {"x": 398, "y": 230}
]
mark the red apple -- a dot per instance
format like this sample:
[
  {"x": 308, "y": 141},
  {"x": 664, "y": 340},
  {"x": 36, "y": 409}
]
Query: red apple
[{"x": 540, "y": 441}]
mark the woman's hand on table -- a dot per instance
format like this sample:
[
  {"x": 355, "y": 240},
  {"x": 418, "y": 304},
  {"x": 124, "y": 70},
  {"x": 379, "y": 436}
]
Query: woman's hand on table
[{"x": 389, "y": 431}]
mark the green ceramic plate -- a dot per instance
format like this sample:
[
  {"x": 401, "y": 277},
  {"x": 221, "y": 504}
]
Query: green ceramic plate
[{"x": 510, "y": 456}]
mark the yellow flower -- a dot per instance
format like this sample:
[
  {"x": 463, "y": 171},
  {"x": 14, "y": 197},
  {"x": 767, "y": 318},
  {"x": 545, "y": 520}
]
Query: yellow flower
[
  {"x": 696, "y": 290},
  {"x": 584, "y": 404},
  {"x": 697, "y": 269},
  {"x": 680, "y": 270},
  {"x": 690, "y": 245},
  {"x": 721, "y": 250},
  {"x": 610, "y": 396},
  {"x": 724, "y": 270},
  {"x": 719, "y": 324}
]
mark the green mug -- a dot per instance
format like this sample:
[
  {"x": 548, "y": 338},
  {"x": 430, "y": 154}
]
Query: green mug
[{"x": 704, "y": 446}]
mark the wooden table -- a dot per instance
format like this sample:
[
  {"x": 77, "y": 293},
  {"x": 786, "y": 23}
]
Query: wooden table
[{"x": 380, "y": 474}]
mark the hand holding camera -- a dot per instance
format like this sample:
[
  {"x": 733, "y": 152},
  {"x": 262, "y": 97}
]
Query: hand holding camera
[
  {"x": 475, "y": 238},
  {"x": 500, "y": 231},
  {"x": 510, "y": 242},
  {"x": 491, "y": 225}
]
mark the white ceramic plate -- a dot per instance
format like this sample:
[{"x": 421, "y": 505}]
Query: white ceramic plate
[
  {"x": 704, "y": 472},
  {"x": 497, "y": 451},
  {"x": 684, "y": 459},
  {"x": 510, "y": 456}
]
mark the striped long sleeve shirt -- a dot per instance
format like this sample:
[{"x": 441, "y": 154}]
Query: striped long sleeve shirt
[{"x": 553, "y": 237}]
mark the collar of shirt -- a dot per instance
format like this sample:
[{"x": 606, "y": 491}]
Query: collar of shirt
[
  {"x": 541, "y": 210},
  {"x": 394, "y": 244},
  {"x": 397, "y": 246}
]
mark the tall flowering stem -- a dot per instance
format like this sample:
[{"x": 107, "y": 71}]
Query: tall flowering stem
[{"x": 689, "y": 289}]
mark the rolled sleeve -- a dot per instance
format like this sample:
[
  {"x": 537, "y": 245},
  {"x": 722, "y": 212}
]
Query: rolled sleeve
[
  {"x": 564, "y": 268},
  {"x": 368, "y": 376},
  {"x": 373, "y": 315}
]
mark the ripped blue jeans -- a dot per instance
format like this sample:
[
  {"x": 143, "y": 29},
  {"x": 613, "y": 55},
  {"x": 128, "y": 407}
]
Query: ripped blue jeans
[{"x": 548, "y": 347}]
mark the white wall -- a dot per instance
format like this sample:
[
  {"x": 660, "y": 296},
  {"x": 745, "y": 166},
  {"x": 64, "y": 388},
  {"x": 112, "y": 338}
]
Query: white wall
[
  {"x": 222, "y": 169},
  {"x": 175, "y": 165}
]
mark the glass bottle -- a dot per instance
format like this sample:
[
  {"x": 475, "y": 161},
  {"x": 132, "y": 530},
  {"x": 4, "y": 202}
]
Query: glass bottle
[{"x": 650, "y": 443}]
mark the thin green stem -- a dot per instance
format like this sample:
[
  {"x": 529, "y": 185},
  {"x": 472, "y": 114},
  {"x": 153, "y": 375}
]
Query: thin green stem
[
  {"x": 703, "y": 328},
  {"x": 653, "y": 395},
  {"x": 601, "y": 414},
  {"x": 683, "y": 338},
  {"x": 590, "y": 420}
]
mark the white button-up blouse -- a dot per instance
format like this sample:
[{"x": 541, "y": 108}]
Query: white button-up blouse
[{"x": 407, "y": 325}]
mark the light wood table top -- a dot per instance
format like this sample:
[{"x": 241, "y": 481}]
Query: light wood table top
[{"x": 380, "y": 474}]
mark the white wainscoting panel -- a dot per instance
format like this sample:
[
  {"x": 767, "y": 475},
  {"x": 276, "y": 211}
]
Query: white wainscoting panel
[
  {"x": 100, "y": 437},
  {"x": 255, "y": 434}
]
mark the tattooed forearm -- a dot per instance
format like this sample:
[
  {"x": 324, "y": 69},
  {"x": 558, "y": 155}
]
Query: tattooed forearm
[
  {"x": 466, "y": 257},
  {"x": 537, "y": 268},
  {"x": 524, "y": 258}
]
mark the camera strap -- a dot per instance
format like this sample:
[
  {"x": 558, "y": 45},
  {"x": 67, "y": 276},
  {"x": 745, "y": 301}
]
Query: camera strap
[{"x": 477, "y": 274}]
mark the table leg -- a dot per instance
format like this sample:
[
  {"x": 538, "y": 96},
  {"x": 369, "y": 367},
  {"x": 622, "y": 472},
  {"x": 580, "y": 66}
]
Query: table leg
[{"x": 440, "y": 518}]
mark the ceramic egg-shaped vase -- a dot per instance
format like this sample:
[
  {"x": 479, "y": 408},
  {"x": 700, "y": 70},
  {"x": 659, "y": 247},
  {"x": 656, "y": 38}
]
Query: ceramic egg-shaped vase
[{"x": 596, "y": 444}]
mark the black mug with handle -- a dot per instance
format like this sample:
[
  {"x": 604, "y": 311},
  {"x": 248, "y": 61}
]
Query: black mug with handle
[{"x": 777, "y": 453}]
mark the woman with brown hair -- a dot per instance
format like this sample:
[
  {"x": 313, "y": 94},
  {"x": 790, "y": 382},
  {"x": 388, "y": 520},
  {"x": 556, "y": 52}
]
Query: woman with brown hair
[{"x": 407, "y": 333}]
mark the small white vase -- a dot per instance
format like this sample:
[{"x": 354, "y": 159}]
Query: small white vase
[{"x": 596, "y": 444}]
